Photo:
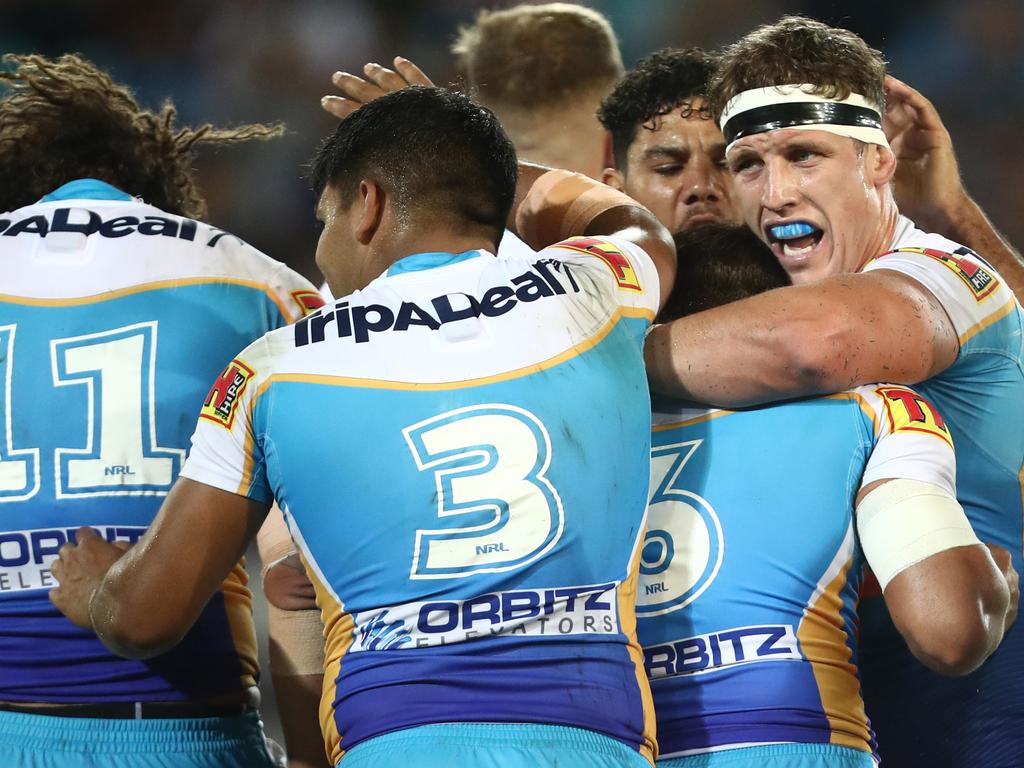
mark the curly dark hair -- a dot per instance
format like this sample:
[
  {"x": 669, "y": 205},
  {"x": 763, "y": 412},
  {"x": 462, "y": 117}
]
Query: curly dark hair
[
  {"x": 795, "y": 50},
  {"x": 66, "y": 119},
  {"x": 659, "y": 83}
]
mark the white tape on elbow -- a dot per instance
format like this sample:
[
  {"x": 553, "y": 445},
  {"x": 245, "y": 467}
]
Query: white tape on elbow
[{"x": 905, "y": 521}]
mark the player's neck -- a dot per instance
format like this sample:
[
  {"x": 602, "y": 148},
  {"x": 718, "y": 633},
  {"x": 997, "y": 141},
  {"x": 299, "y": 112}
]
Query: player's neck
[{"x": 436, "y": 240}]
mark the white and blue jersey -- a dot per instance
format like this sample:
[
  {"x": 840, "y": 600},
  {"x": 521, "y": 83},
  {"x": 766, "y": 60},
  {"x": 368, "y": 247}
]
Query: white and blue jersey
[
  {"x": 113, "y": 317},
  {"x": 456, "y": 450},
  {"x": 922, "y": 718},
  {"x": 747, "y": 606}
]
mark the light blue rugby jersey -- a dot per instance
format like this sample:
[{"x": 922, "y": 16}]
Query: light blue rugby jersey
[
  {"x": 113, "y": 318},
  {"x": 456, "y": 449},
  {"x": 920, "y": 717},
  {"x": 751, "y": 565}
]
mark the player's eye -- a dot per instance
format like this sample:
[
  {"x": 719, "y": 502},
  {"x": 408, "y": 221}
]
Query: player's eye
[{"x": 668, "y": 169}]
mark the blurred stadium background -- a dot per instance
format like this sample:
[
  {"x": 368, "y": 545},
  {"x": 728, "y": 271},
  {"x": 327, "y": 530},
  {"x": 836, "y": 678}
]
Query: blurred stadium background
[{"x": 238, "y": 61}]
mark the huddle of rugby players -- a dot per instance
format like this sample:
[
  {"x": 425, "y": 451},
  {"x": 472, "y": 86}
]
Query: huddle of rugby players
[{"x": 644, "y": 428}]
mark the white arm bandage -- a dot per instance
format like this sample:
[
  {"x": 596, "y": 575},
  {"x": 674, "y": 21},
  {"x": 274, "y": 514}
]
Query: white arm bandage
[{"x": 905, "y": 521}]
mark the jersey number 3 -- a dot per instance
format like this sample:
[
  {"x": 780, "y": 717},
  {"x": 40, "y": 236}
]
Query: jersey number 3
[{"x": 488, "y": 463}]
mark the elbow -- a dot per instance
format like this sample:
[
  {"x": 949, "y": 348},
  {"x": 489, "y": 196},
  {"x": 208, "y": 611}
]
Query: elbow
[
  {"x": 813, "y": 355},
  {"x": 134, "y": 634},
  {"x": 954, "y": 656},
  {"x": 959, "y": 643},
  {"x": 138, "y": 641}
]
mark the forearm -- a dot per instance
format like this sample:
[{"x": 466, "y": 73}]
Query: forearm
[
  {"x": 966, "y": 223},
  {"x": 125, "y": 620},
  {"x": 735, "y": 355},
  {"x": 958, "y": 622}
]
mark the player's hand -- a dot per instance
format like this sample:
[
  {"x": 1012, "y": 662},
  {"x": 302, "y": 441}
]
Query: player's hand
[
  {"x": 287, "y": 587},
  {"x": 80, "y": 569},
  {"x": 1005, "y": 565},
  {"x": 376, "y": 81},
  {"x": 928, "y": 185}
]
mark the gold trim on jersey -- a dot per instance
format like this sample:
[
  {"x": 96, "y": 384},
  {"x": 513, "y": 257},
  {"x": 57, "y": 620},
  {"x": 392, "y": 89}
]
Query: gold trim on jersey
[
  {"x": 995, "y": 317},
  {"x": 238, "y": 609},
  {"x": 338, "y": 626},
  {"x": 825, "y": 644},
  {"x": 154, "y": 286},
  {"x": 350, "y": 381},
  {"x": 648, "y": 746},
  {"x": 865, "y": 406},
  {"x": 689, "y": 422}
]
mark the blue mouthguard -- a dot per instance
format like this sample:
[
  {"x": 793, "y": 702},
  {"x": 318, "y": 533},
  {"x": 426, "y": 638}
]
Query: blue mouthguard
[{"x": 791, "y": 231}]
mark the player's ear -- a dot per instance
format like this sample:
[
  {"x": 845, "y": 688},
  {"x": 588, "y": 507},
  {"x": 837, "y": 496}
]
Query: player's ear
[
  {"x": 613, "y": 178},
  {"x": 370, "y": 206},
  {"x": 879, "y": 164}
]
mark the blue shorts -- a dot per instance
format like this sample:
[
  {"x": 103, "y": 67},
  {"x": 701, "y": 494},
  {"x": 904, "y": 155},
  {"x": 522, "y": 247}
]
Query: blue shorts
[
  {"x": 776, "y": 756},
  {"x": 492, "y": 745},
  {"x": 42, "y": 741}
]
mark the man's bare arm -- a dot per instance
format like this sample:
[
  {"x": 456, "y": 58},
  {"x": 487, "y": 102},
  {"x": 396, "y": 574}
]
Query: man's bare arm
[
  {"x": 928, "y": 184},
  {"x": 839, "y": 333},
  {"x": 951, "y": 597},
  {"x": 153, "y": 594}
]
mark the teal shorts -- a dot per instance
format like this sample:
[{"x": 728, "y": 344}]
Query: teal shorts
[
  {"x": 492, "y": 745},
  {"x": 776, "y": 756},
  {"x": 42, "y": 741}
]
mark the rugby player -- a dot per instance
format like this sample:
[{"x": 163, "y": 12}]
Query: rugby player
[
  {"x": 668, "y": 152},
  {"x": 432, "y": 442},
  {"x": 117, "y": 306},
  {"x": 749, "y": 581},
  {"x": 875, "y": 299}
]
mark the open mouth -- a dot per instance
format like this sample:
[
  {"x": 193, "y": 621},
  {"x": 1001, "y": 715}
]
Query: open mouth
[{"x": 794, "y": 239}]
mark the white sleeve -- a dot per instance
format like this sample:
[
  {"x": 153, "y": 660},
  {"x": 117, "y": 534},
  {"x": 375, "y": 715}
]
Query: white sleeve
[
  {"x": 623, "y": 265},
  {"x": 912, "y": 440},
  {"x": 296, "y": 296},
  {"x": 970, "y": 291},
  {"x": 226, "y": 452}
]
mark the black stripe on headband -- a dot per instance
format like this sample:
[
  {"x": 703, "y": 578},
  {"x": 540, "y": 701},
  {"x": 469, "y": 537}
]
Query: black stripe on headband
[{"x": 787, "y": 115}]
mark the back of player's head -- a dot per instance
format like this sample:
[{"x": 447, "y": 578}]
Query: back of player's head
[
  {"x": 434, "y": 152},
  {"x": 797, "y": 50},
  {"x": 718, "y": 264},
  {"x": 666, "y": 80},
  {"x": 533, "y": 56},
  {"x": 66, "y": 119}
]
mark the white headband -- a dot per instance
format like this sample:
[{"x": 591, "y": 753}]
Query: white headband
[{"x": 794, "y": 106}]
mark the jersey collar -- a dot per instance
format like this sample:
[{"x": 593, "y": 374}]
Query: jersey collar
[
  {"x": 419, "y": 262},
  {"x": 86, "y": 189}
]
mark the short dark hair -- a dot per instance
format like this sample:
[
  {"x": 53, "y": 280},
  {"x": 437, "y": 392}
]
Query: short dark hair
[
  {"x": 430, "y": 149},
  {"x": 658, "y": 84},
  {"x": 65, "y": 119},
  {"x": 795, "y": 50},
  {"x": 718, "y": 264}
]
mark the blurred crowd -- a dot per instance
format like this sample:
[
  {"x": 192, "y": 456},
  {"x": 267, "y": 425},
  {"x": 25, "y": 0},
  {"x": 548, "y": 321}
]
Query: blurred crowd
[{"x": 238, "y": 61}]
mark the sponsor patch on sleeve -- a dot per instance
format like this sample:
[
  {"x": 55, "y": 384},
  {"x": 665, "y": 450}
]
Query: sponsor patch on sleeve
[
  {"x": 908, "y": 411},
  {"x": 979, "y": 280},
  {"x": 225, "y": 394},
  {"x": 308, "y": 301},
  {"x": 613, "y": 257}
]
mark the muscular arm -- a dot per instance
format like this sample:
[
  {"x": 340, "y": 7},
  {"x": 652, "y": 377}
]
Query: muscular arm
[
  {"x": 953, "y": 605},
  {"x": 804, "y": 340},
  {"x": 152, "y": 595},
  {"x": 545, "y": 211}
]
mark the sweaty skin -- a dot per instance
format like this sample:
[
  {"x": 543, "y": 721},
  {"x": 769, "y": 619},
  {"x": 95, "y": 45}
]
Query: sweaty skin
[
  {"x": 676, "y": 168},
  {"x": 833, "y": 329}
]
